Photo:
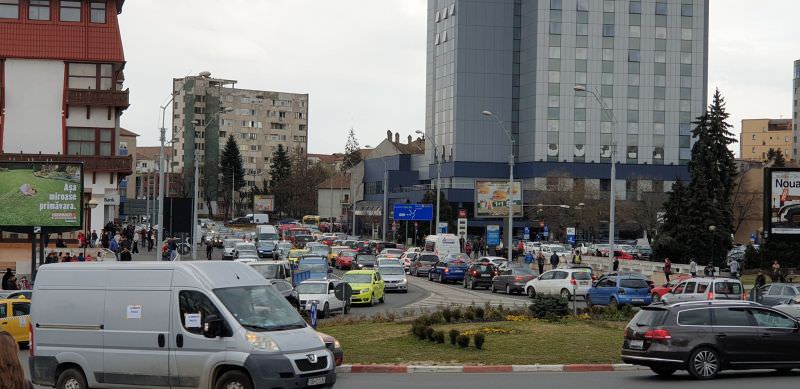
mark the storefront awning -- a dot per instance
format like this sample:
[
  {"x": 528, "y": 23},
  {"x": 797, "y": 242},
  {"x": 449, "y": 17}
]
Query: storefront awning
[{"x": 369, "y": 208}]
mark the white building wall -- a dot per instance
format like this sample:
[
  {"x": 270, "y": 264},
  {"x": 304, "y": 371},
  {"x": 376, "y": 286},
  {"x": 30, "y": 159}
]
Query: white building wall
[
  {"x": 324, "y": 198},
  {"x": 34, "y": 91}
]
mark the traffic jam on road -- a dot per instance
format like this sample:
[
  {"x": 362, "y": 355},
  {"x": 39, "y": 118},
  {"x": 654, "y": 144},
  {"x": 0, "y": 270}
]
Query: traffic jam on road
[{"x": 273, "y": 285}]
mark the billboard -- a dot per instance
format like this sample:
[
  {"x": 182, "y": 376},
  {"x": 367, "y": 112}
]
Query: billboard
[
  {"x": 782, "y": 201},
  {"x": 492, "y": 198},
  {"x": 41, "y": 194},
  {"x": 263, "y": 203}
]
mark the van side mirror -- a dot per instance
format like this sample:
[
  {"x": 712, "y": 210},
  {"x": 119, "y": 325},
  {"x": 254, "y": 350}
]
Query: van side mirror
[{"x": 212, "y": 326}]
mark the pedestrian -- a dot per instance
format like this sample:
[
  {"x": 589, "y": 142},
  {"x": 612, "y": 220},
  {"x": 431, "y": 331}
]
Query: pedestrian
[
  {"x": 24, "y": 284},
  {"x": 114, "y": 247},
  {"x": 734, "y": 267},
  {"x": 554, "y": 260},
  {"x": 93, "y": 241},
  {"x": 667, "y": 268},
  {"x": 468, "y": 249},
  {"x": 540, "y": 261},
  {"x": 615, "y": 264},
  {"x": 60, "y": 242},
  {"x": 6, "y": 277},
  {"x": 125, "y": 255},
  {"x": 760, "y": 279},
  {"x": 709, "y": 270},
  {"x": 150, "y": 240},
  {"x": 776, "y": 271},
  {"x": 135, "y": 243},
  {"x": 693, "y": 267},
  {"x": 81, "y": 258},
  {"x": 209, "y": 250},
  {"x": 12, "y": 283},
  {"x": 10, "y": 366},
  {"x": 66, "y": 258},
  {"x": 576, "y": 259},
  {"x": 173, "y": 248}
]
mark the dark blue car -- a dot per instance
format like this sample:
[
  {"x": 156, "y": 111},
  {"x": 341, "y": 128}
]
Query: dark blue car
[
  {"x": 618, "y": 291},
  {"x": 448, "y": 270}
]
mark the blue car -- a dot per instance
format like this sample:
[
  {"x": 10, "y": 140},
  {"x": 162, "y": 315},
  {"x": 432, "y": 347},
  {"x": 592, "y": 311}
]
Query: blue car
[
  {"x": 618, "y": 291},
  {"x": 448, "y": 270},
  {"x": 266, "y": 249},
  {"x": 317, "y": 266}
]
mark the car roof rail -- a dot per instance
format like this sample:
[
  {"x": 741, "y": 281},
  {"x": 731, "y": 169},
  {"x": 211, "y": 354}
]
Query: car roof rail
[{"x": 715, "y": 302}]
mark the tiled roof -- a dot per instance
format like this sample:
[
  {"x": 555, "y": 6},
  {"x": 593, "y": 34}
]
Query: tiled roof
[
  {"x": 329, "y": 159},
  {"x": 151, "y": 153},
  {"x": 79, "y": 41},
  {"x": 124, "y": 132}
]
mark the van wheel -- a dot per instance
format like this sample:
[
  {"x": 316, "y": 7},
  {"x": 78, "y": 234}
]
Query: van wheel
[
  {"x": 704, "y": 364},
  {"x": 234, "y": 379},
  {"x": 71, "y": 379}
]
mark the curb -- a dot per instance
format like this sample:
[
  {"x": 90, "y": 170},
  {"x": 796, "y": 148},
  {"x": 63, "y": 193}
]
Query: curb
[{"x": 412, "y": 369}]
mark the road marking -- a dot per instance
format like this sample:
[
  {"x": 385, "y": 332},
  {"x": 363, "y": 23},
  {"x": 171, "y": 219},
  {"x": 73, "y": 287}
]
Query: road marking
[{"x": 447, "y": 295}]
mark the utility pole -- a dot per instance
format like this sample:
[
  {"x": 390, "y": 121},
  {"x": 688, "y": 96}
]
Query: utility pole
[{"x": 194, "y": 210}]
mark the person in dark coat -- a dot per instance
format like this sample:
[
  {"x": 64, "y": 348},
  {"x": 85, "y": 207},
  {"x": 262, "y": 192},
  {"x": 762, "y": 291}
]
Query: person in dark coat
[
  {"x": 540, "y": 262},
  {"x": 615, "y": 264},
  {"x": 6, "y": 277},
  {"x": 125, "y": 255},
  {"x": 554, "y": 260}
]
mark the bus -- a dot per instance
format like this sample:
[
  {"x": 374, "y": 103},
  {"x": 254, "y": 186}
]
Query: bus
[{"x": 311, "y": 219}]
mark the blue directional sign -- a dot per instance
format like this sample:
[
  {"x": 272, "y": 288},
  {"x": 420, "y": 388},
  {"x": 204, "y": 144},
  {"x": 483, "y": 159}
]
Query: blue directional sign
[
  {"x": 413, "y": 212},
  {"x": 493, "y": 235},
  {"x": 526, "y": 233}
]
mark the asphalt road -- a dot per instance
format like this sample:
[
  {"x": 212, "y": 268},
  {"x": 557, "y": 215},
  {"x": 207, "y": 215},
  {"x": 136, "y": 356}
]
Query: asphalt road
[{"x": 602, "y": 380}]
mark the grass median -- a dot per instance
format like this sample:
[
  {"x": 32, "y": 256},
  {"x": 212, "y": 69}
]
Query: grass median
[{"x": 529, "y": 342}]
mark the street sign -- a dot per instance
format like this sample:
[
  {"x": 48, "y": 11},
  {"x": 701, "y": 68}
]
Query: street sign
[
  {"x": 462, "y": 227},
  {"x": 462, "y": 213},
  {"x": 413, "y": 212},
  {"x": 442, "y": 228},
  {"x": 526, "y": 233},
  {"x": 37, "y": 230},
  {"x": 546, "y": 231},
  {"x": 493, "y": 235},
  {"x": 570, "y": 230}
]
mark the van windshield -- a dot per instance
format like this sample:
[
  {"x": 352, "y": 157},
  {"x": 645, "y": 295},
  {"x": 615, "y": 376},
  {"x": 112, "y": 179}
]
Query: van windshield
[
  {"x": 268, "y": 270},
  {"x": 313, "y": 267},
  {"x": 268, "y": 236},
  {"x": 260, "y": 308}
]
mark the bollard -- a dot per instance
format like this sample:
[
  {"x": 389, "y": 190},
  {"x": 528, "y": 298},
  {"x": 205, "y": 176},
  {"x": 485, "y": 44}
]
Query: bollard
[{"x": 314, "y": 315}]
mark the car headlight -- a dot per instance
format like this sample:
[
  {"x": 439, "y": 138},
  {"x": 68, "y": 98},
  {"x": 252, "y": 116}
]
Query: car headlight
[
  {"x": 364, "y": 291},
  {"x": 403, "y": 281},
  {"x": 262, "y": 342},
  {"x": 325, "y": 338}
]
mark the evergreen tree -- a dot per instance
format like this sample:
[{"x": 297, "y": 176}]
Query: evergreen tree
[
  {"x": 701, "y": 216},
  {"x": 279, "y": 171},
  {"x": 232, "y": 171},
  {"x": 352, "y": 154},
  {"x": 775, "y": 158}
]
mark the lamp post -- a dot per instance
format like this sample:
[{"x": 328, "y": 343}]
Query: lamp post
[
  {"x": 91, "y": 204},
  {"x": 510, "y": 182},
  {"x": 712, "y": 229},
  {"x": 438, "y": 175},
  {"x": 613, "y": 196},
  {"x": 163, "y": 139}
]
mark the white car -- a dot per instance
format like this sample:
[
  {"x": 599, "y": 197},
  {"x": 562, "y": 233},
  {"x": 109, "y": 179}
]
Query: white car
[
  {"x": 394, "y": 277},
  {"x": 229, "y": 245},
  {"x": 323, "y": 293},
  {"x": 549, "y": 249},
  {"x": 791, "y": 308},
  {"x": 245, "y": 249},
  {"x": 566, "y": 283},
  {"x": 498, "y": 262},
  {"x": 406, "y": 259}
]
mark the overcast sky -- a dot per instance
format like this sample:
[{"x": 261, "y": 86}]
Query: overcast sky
[{"x": 363, "y": 61}]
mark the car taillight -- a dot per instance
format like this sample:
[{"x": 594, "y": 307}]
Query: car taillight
[
  {"x": 519, "y": 278},
  {"x": 710, "y": 296},
  {"x": 573, "y": 282},
  {"x": 474, "y": 272},
  {"x": 657, "y": 335},
  {"x": 30, "y": 337},
  {"x": 628, "y": 332},
  {"x": 621, "y": 291},
  {"x": 495, "y": 273},
  {"x": 744, "y": 295},
  {"x": 446, "y": 270}
]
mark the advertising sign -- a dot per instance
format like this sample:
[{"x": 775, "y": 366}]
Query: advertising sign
[
  {"x": 442, "y": 228},
  {"x": 526, "y": 233},
  {"x": 492, "y": 198},
  {"x": 782, "y": 198},
  {"x": 413, "y": 212},
  {"x": 493, "y": 235},
  {"x": 46, "y": 194},
  {"x": 263, "y": 203}
]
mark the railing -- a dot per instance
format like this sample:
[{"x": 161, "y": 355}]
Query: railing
[
  {"x": 102, "y": 98},
  {"x": 91, "y": 163}
]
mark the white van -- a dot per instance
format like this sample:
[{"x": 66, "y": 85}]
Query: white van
[
  {"x": 205, "y": 324},
  {"x": 258, "y": 218},
  {"x": 443, "y": 244}
]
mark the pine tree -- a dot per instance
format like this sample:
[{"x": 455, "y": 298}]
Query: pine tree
[
  {"x": 279, "y": 171},
  {"x": 232, "y": 170},
  {"x": 775, "y": 158},
  {"x": 352, "y": 154}
]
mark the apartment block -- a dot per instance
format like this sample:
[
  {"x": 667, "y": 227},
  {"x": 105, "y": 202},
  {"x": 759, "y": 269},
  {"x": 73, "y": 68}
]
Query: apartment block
[{"x": 760, "y": 135}]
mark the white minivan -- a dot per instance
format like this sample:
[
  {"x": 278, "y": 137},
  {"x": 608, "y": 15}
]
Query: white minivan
[
  {"x": 443, "y": 244},
  {"x": 205, "y": 324}
]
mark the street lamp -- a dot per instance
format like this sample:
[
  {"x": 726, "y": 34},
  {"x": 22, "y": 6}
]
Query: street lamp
[
  {"x": 510, "y": 181},
  {"x": 91, "y": 204},
  {"x": 712, "y": 228},
  {"x": 613, "y": 197},
  {"x": 438, "y": 174}
]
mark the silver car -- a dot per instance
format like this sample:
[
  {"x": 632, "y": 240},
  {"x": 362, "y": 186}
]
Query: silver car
[
  {"x": 705, "y": 288},
  {"x": 394, "y": 278},
  {"x": 791, "y": 308}
]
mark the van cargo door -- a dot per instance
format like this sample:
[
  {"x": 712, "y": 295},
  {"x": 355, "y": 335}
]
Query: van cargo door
[{"x": 193, "y": 354}]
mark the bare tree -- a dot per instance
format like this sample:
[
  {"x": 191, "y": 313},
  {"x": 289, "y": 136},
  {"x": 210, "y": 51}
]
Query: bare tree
[
  {"x": 744, "y": 199},
  {"x": 644, "y": 212}
]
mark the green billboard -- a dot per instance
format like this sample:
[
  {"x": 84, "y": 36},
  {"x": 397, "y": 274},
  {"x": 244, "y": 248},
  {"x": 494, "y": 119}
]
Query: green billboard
[{"x": 41, "y": 194}]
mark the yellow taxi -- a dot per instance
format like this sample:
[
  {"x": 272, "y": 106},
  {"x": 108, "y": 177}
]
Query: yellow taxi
[
  {"x": 335, "y": 250},
  {"x": 367, "y": 286},
  {"x": 14, "y": 318},
  {"x": 295, "y": 254}
]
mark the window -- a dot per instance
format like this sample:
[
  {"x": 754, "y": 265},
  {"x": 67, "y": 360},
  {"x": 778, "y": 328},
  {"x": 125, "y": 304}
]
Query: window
[
  {"x": 635, "y": 7},
  {"x": 98, "y": 12},
  {"x": 90, "y": 76},
  {"x": 195, "y": 303},
  {"x": 582, "y": 29},
  {"x": 9, "y": 9},
  {"x": 695, "y": 317},
  {"x": 70, "y": 11},
  {"x": 661, "y": 8},
  {"x": 687, "y": 10},
  {"x": 689, "y": 287},
  {"x": 635, "y": 31},
  {"x": 555, "y": 4},
  {"x": 583, "y": 5},
  {"x": 20, "y": 309},
  {"x": 89, "y": 141},
  {"x": 771, "y": 319},
  {"x": 633, "y": 55},
  {"x": 39, "y": 10},
  {"x": 277, "y": 126},
  {"x": 555, "y": 28},
  {"x": 732, "y": 317},
  {"x": 608, "y": 30}
]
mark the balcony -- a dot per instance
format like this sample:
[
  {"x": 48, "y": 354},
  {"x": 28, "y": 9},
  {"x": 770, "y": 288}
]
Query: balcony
[
  {"x": 98, "y": 98},
  {"x": 91, "y": 163}
]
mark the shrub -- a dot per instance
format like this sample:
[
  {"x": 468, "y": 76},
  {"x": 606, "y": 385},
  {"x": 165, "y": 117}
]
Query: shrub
[
  {"x": 418, "y": 330},
  {"x": 439, "y": 336},
  {"x": 456, "y": 313},
  {"x": 453, "y": 336},
  {"x": 447, "y": 315},
  {"x": 479, "y": 313},
  {"x": 549, "y": 307},
  {"x": 435, "y": 318},
  {"x": 479, "y": 339},
  {"x": 463, "y": 341},
  {"x": 469, "y": 315},
  {"x": 612, "y": 313},
  {"x": 493, "y": 314},
  {"x": 429, "y": 333}
]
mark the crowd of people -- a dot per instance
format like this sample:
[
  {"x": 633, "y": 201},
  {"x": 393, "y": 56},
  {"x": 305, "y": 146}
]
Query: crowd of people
[{"x": 10, "y": 281}]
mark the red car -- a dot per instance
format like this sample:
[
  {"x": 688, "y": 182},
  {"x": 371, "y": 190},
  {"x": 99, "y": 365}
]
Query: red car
[
  {"x": 622, "y": 254},
  {"x": 345, "y": 259},
  {"x": 659, "y": 291}
]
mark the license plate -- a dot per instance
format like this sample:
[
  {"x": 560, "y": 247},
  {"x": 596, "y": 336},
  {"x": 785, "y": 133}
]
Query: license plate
[
  {"x": 633, "y": 344},
  {"x": 316, "y": 381},
  {"x": 638, "y": 300},
  {"x": 486, "y": 275},
  {"x": 583, "y": 283}
]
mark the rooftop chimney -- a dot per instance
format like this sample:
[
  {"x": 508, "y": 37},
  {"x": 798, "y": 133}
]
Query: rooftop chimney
[
  {"x": 409, "y": 139},
  {"x": 397, "y": 137},
  {"x": 389, "y": 135}
]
